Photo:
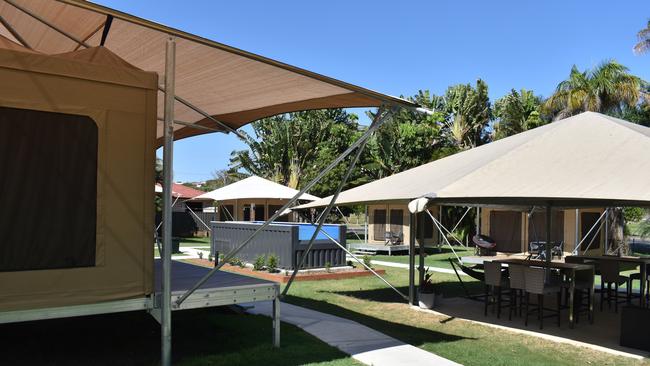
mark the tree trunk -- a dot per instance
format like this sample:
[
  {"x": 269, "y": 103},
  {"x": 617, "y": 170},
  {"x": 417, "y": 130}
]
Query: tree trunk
[{"x": 615, "y": 231}]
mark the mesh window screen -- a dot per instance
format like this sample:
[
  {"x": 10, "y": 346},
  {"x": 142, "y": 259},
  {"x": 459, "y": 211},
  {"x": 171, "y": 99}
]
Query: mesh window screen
[{"x": 48, "y": 190}]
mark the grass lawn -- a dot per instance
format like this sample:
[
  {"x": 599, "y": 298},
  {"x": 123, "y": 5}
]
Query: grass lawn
[
  {"x": 368, "y": 301},
  {"x": 200, "y": 337},
  {"x": 195, "y": 242},
  {"x": 435, "y": 258}
]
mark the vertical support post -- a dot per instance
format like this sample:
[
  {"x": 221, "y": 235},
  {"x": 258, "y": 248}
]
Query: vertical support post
[
  {"x": 478, "y": 220},
  {"x": 276, "y": 319},
  {"x": 421, "y": 254},
  {"x": 365, "y": 228},
  {"x": 168, "y": 156},
  {"x": 412, "y": 233},
  {"x": 577, "y": 233},
  {"x": 606, "y": 231},
  {"x": 548, "y": 248}
]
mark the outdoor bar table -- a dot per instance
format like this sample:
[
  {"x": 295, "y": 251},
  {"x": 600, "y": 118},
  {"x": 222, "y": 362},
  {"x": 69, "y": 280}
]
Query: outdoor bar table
[
  {"x": 568, "y": 268},
  {"x": 641, "y": 262}
]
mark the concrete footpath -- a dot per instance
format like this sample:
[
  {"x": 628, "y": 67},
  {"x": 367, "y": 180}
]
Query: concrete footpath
[
  {"x": 362, "y": 343},
  {"x": 406, "y": 266}
]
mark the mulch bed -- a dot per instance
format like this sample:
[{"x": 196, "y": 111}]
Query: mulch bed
[{"x": 282, "y": 278}]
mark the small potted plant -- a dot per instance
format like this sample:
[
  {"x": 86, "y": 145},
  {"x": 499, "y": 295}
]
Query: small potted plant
[{"x": 426, "y": 292}]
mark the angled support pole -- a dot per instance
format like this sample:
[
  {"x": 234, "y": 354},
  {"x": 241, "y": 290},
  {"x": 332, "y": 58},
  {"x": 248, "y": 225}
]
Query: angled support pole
[
  {"x": 379, "y": 118},
  {"x": 14, "y": 33},
  {"x": 287, "y": 205}
]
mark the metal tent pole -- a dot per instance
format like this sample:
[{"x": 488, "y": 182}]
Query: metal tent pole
[
  {"x": 365, "y": 227},
  {"x": 166, "y": 311},
  {"x": 607, "y": 231},
  {"x": 548, "y": 241},
  {"x": 421, "y": 256},
  {"x": 412, "y": 233}
]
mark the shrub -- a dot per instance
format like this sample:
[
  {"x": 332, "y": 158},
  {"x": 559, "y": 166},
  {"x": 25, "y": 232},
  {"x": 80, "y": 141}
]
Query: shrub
[
  {"x": 260, "y": 260},
  {"x": 427, "y": 286},
  {"x": 367, "y": 261},
  {"x": 349, "y": 264},
  {"x": 272, "y": 263},
  {"x": 234, "y": 261},
  {"x": 328, "y": 267},
  {"x": 200, "y": 253}
]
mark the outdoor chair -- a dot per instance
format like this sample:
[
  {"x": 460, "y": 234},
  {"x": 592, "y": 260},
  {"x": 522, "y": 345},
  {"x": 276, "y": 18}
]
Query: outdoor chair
[
  {"x": 637, "y": 276},
  {"x": 393, "y": 238},
  {"x": 495, "y": 285},
  {"x": 584, "y": 282},
  {"x": 536, "y": 285},
  {"x": 610, "y": 273},
  {"x": 517, "y": 288}
]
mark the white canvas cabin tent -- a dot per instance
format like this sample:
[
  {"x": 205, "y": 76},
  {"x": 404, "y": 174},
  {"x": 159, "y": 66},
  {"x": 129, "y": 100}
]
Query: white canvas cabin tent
[
  {"x": 252, "y": 199},
  {"x": 586, "y": 162},
  {"x": 208, "y": 87}
]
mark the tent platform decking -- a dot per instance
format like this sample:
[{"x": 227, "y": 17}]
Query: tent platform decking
[
  {"x": 377, "y": 248},
  {"x": 223, "y": 288}
]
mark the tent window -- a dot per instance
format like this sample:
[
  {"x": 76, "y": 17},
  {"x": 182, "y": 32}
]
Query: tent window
[
  {"x": 226, "y": 212},
  {"x": 396, "y": 221},
  {"x": 379, "y": 224},
  {"x": 259, "y": 213},
  {"x": 505, "y": 229},
  {"x": 587, "y": 220},
  {"x": 48, "y": 190},
  {"x": 273, "y": 209}
]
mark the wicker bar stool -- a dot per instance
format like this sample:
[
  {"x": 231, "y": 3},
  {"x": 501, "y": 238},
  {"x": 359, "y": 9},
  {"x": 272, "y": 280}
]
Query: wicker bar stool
[
  {"x": 517, "y": 288},
  {"x": 495, "y": 284},
  {"x": 535, "y": 284}
]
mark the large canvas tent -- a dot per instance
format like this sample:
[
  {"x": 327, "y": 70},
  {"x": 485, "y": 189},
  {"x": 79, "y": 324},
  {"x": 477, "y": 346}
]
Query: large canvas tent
[
  {"x": 208, "y": 86},
  {"x": 252, "y": 199},
  {"x": 77, "y": 142}
]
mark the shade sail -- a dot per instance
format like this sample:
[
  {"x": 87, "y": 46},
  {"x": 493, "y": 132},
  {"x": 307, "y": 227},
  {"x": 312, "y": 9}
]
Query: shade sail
[
  {"x": 234, "y": 86},
  {"x": 254, "y": 188},
  {"x": 586, "y": 160}
]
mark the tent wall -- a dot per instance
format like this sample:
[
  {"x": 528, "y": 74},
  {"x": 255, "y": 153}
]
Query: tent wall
[
  {"x": 566, "y": 231},
  {"x": 269, "y": 205},
  {"x": 379, "y": 222},
  {"x": 122, "y": 103}
]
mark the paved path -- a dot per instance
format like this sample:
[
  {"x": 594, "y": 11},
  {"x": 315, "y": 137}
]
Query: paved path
[
  {"x": 362, "y": 343},
  {"x": 406, "y": 266}
]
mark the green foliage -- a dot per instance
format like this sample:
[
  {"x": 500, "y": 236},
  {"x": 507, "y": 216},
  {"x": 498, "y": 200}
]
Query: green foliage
[
  {"x": 457, "y": 235},
  {"x": 259, "y": 262},
  {"x": 633, "y": 214},
  {"x": 469, "y": 112},
  {"x": 427, "y": 286},
  {"x": 272, "y": 263},
  {"x": 328, "y": 267},
  {"x": 516, "y": 112},
  {"x": 367, "y": 261},
  {"x": 607, "y": 88},
  {"x": 291, "y": 148},
  {"x": 234, "y": 261}
]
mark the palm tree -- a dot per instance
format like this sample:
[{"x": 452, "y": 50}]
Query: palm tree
[
  {"x": 607, "y": 88},
  {"x": 469, "y": 112},
  {"x": 644, "y": 40}
]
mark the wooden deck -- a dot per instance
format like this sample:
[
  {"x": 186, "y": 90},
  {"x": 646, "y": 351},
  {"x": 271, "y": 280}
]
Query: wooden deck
[{"x": 377, "y": 248}]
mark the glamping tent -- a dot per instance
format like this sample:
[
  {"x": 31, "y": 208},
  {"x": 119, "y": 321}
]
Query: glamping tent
[
  {"x": 77, "y": 141},
  {"x": 72, "y": 70},
  {"x": 252, "y": 199},
  {"x": 575, "y": 167}
]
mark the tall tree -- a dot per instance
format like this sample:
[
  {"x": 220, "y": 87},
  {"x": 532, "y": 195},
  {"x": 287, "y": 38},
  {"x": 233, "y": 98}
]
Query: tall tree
[
  {"x": 287, "y": 148},
  {"x": 468, "y": 112},
  {"x": 608, "y": 88},
  {"x": 409, "y": 139},
  {"x": 516, "y": 112},
  {"x": 643, "y": 45}
]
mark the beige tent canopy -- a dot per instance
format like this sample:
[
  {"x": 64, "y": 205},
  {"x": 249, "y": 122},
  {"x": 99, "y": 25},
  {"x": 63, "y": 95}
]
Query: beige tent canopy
[
  {"x": 233, "y": 86},
  {"x": 586, "y": 160}
]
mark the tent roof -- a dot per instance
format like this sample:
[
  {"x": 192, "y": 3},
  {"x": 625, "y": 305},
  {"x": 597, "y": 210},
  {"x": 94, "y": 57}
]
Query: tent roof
[
  {"x": 254, "y": 187},
  {"x": 180, "y": 191},
  {"x": 586, "y": 160},
  {"x": 234, "y": 86}
]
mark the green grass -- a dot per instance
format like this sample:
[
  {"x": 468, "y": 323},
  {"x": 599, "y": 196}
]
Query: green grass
[
  {"x": 435, "y": 258},
  {"x": 200, "y": 337},
  {"x": 195, "y": 242},
  {"x": 369, "y": 302}
]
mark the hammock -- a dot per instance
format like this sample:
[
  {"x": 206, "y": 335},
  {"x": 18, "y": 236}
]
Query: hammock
[{"x": 470, "y": 272}]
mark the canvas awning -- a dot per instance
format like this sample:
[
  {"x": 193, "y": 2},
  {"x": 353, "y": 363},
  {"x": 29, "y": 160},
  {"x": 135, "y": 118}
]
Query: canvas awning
[
  {"x": 254, "y": 188},
  {"x": 231, "y": 85},
  {"x": 586, "y": 160}
]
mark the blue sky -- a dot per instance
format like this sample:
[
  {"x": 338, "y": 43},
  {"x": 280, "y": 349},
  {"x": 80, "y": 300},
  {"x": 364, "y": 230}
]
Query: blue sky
[{"x": 400, "y": 47}]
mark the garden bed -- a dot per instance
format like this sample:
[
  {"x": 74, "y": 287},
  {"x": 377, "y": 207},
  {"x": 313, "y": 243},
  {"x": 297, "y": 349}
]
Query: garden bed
[{"x": 283, "y": 277}]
